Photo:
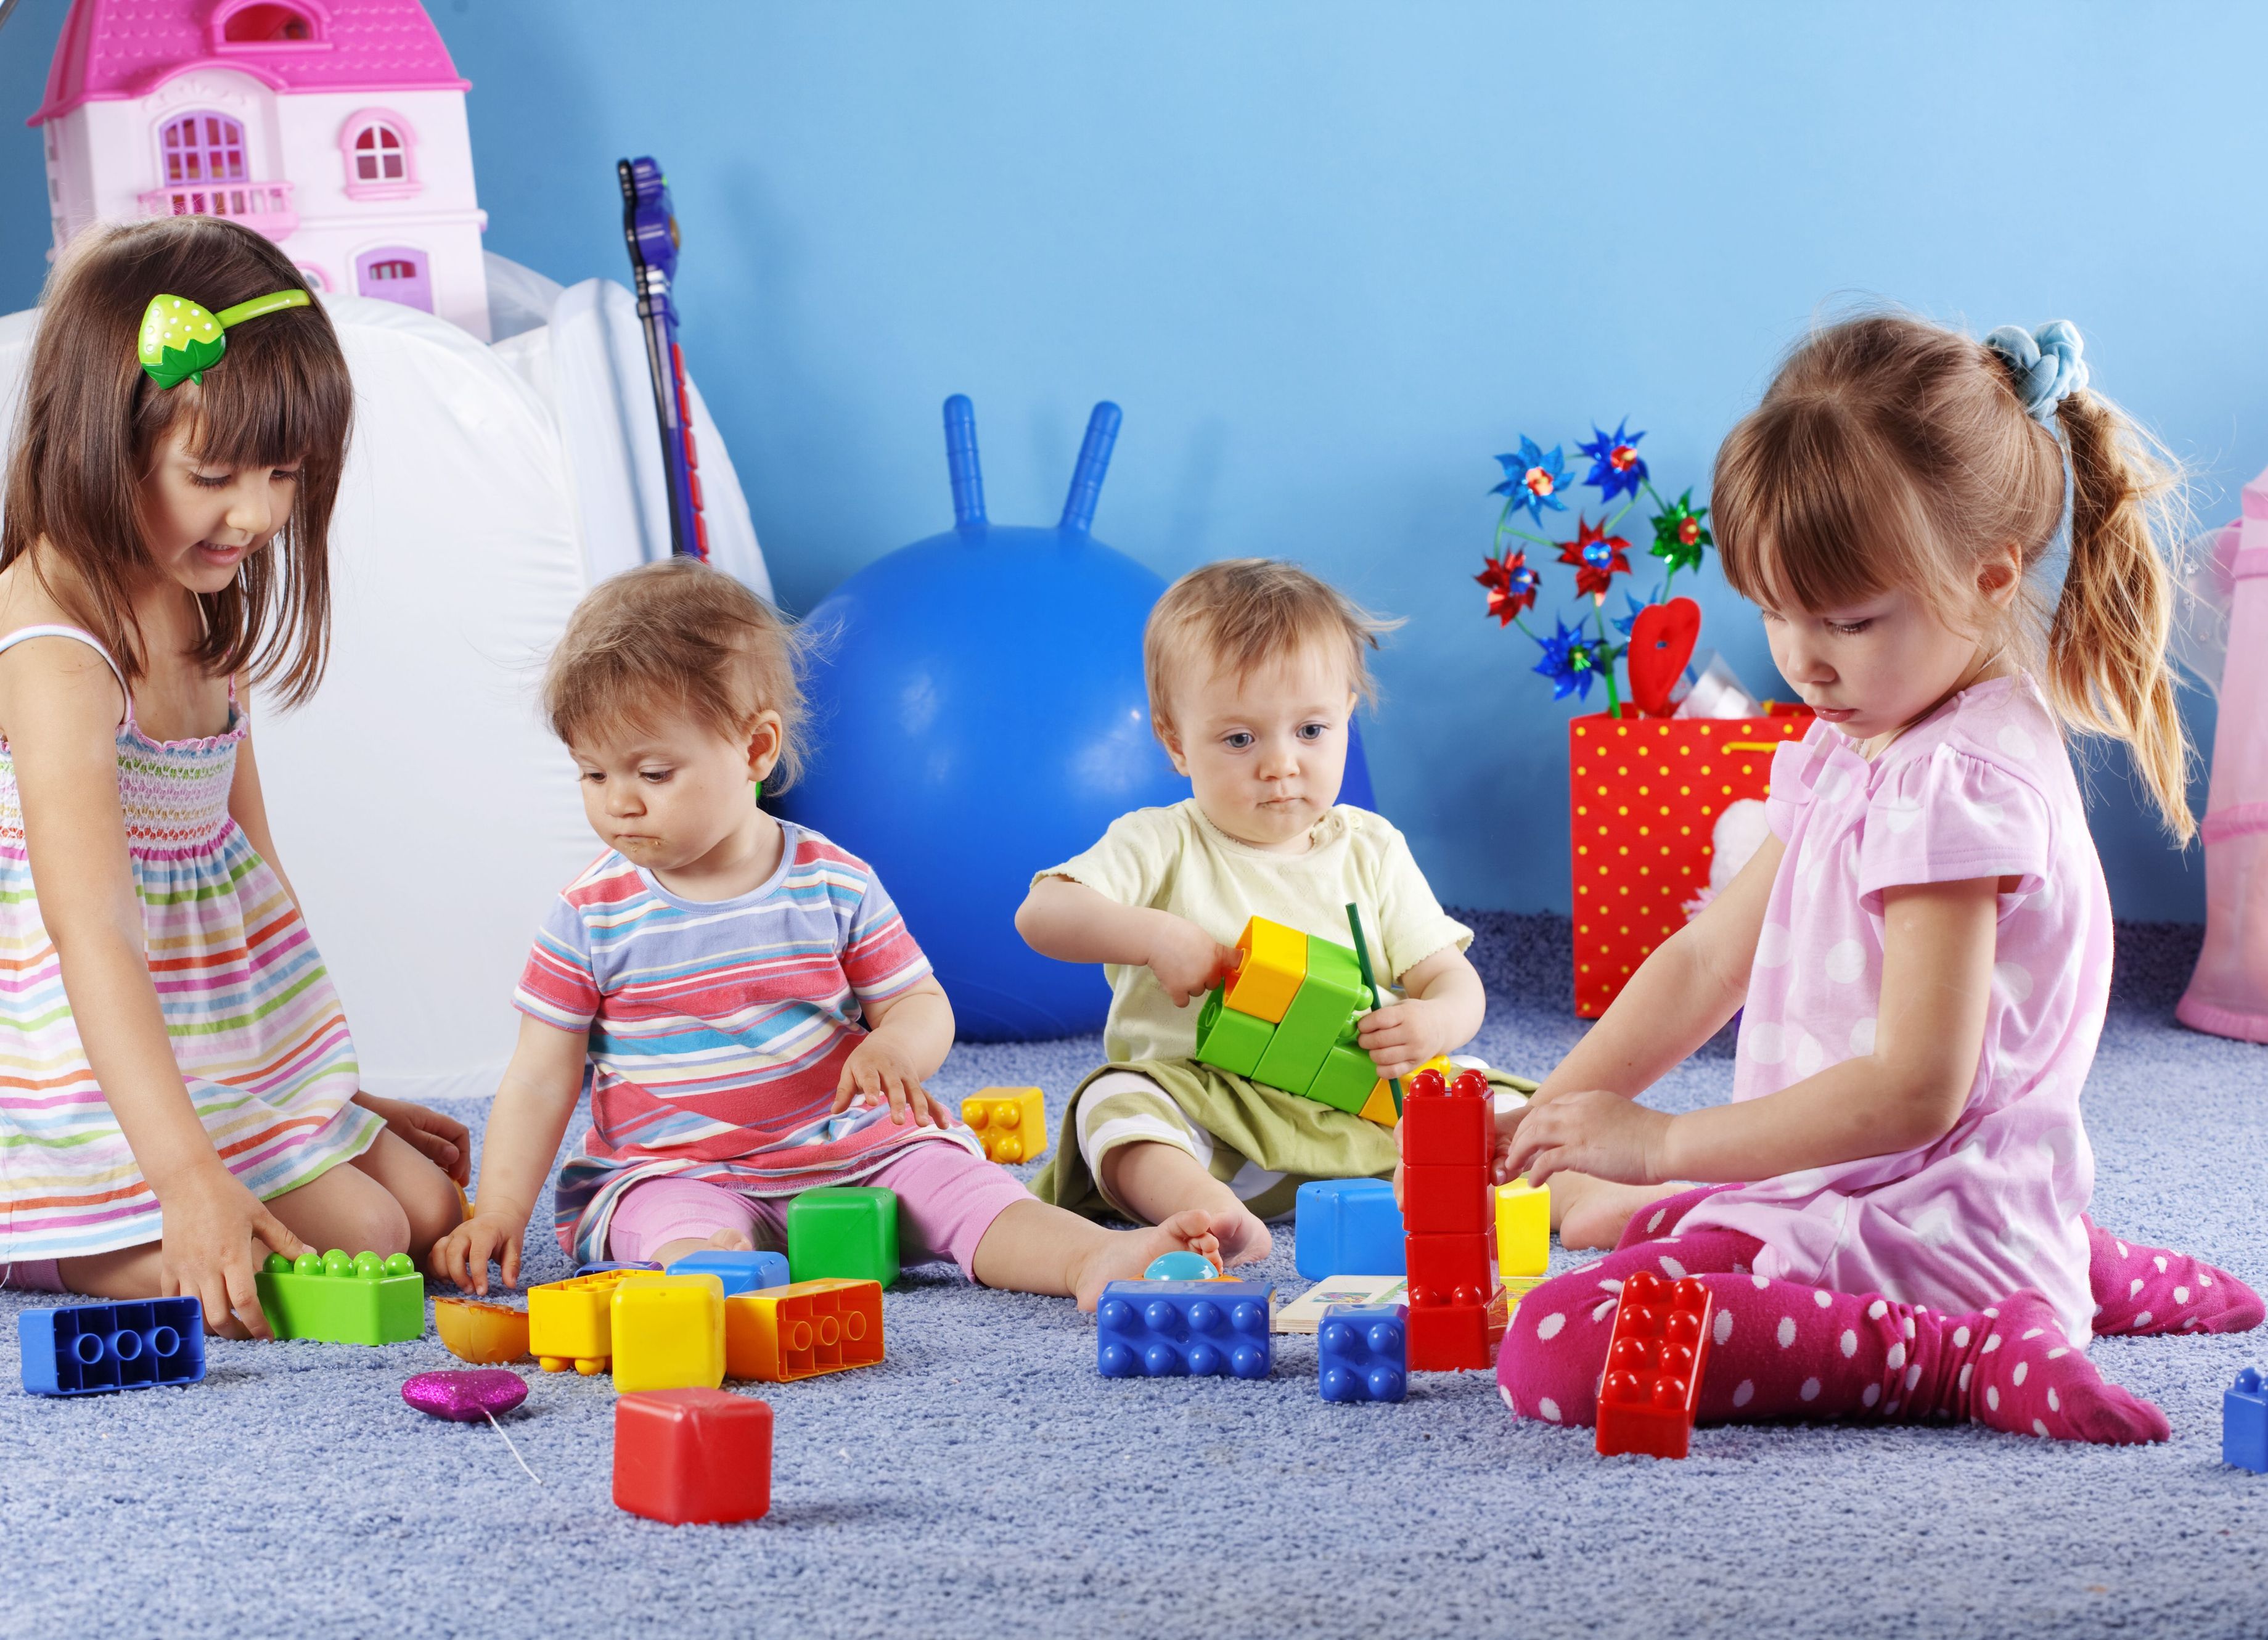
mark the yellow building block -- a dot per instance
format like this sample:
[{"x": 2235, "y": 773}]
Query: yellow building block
[
  {"x": 1379, "y": 1106},
  {"x": 669, "y": 1333},
  {"x": 570, "y": 1323},
  {"x": 782, "y": 1334},
  {"x": 1518, "y": 1288},
  {"x": 1271, "y": 963},
  {"x": 1012, "y": 1122},
  {"x": 1523, "y": 1229}
]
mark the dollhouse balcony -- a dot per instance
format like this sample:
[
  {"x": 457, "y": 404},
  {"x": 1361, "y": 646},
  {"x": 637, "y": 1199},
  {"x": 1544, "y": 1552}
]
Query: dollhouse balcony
[{"x": 263, "y": 207}]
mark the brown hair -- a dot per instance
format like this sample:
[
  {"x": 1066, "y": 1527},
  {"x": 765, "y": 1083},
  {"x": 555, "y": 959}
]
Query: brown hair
[
  {"x": 93, "y": 422},
  {"x": 1243, "y": 614},
  {"x": 1892, "y": 452},
  {"x": 677, "y": 635}
]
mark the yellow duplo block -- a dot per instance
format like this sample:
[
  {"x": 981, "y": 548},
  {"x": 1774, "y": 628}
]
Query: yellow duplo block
[
  {"x": 1523, "y": 1229},
  {"x": 1012, "y": 1122},
  {"x": 1272, "y": 962},
  {"x": 570, "y": 1323},
  {"x": 783, "y": 1333},
  {"x": 669, "y": 1333},
  {"x": 1379, "y": 1106}
]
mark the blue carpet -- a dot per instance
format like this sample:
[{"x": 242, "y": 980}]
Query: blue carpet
[{"x": 985, "y": 1480}]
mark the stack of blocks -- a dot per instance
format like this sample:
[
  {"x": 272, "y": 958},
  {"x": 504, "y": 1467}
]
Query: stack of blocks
[
  {"x": 362, "y": 1299},
  {"x": 1012, "y": 1122},
  {"x": 1655, "y": 1356},
  {"x": 1448, "y": 1133},
  {"x": 1287, "y": 1019},
  {"x": 87, "y": 1348}
]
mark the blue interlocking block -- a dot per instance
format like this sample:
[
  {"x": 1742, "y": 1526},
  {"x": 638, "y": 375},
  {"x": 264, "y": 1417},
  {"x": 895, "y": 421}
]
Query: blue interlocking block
[
  {"x": 1347, "y": 1227},
  {"x": 740, "y": 1272},
  {"x": 1362, "y": 1352},
  {"x": 90, "y": 1348},
  {"x": 1173, "y": 1328},
  {"x": 2244, "y": 1424},
  {"x": 596, "y": 1265}
]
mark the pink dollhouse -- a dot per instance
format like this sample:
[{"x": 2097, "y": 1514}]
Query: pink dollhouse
[{"x": 336, "y": 127}]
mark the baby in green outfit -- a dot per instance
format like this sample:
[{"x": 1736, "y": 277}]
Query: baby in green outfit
[{"x": 1255, "y": 667}]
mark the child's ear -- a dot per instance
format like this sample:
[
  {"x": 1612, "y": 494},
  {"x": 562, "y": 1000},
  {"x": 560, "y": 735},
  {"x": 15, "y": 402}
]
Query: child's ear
[
  {"x": 1170, "y": 739},
  {"x": 766, "y": 742},
  {"x": 2000, "y": 574}
]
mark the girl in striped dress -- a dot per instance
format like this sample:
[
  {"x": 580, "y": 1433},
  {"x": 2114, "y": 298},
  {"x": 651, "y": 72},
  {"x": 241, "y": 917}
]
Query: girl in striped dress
[
  {"x": 737, "y": 993},
  {"x": 177, "y": 1086}
]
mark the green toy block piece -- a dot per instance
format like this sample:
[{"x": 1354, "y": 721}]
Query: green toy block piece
[
  {"x": 1346, "y": 1079},
  {"x": 1311, "y": 1025},
  {"x": 362, "y": 1299},
  {"x": 1231, "y": 1041},
  {"x": 850, "y": 1233}
]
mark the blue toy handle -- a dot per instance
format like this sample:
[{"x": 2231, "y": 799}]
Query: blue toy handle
[
  {"x": 1093, "y": 462},
  {"x": 960, "y": 462}
]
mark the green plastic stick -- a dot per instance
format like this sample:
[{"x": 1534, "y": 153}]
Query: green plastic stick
[{"x": 1370, "y": 980}]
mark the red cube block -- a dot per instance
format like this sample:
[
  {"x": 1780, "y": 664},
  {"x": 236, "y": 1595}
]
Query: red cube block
[
  {"x": 1456, "y": 1129},
  {"x": 1655, "y": 1356},
  {"x": 1445, "y": 1200},
  {"x": 1448, "y": 1269},
  {"x": 1447, "y": 1337},
  {"x": 684, "y": 1455}
]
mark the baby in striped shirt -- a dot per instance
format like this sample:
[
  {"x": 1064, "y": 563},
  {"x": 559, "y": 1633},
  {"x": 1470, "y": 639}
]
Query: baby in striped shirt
[{"x": 738, "y": 995}]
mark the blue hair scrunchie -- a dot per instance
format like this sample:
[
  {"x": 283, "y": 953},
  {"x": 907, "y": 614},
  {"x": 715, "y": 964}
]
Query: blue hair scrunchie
[{"x": 2045, "y": 363}]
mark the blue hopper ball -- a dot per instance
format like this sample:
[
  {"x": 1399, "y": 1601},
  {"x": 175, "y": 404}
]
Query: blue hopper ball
[{"x": 1182, "y": 1266}]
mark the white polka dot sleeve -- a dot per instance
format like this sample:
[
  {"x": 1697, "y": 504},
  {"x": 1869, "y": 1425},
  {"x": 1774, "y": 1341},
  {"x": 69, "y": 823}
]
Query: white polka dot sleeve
[{"x": 1949, "y": 817}]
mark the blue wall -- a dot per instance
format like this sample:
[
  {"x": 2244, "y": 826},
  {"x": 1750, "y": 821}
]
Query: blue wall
[{"x": 1332, "y": 256}]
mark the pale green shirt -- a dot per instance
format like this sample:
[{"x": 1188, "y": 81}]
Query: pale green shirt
[{"x": 1174, "y": 859}]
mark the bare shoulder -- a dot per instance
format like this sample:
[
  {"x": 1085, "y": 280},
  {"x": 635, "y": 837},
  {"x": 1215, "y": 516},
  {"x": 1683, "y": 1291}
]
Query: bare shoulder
[{"x": 49, "y": 680}]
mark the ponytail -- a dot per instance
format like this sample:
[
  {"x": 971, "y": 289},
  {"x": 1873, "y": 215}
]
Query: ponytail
[{"x": 2107, "y": 672}]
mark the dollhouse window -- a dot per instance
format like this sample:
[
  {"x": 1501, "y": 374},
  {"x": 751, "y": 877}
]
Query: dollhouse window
[
  {"x": 380, "y": 154},
  {"x": 265, "y": 22},
  {"x": 202, "y": 148}
]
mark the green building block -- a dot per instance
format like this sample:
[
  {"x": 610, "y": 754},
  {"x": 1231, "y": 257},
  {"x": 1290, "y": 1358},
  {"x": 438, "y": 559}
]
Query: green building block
[
  {"x": 850, "y": 1231},
  {"x": 1332, "y": 992},
  {"x": 1231, "y": 1041},
  {"x": 362, "y": 1299},
  {"x": 1346, "y": 1079}
]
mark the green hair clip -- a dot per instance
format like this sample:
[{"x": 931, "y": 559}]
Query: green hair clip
[{"x": 180, "y": 340}]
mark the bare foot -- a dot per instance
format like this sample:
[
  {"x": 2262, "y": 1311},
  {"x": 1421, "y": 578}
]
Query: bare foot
[
  {"x": 722, "y": 1241},
  {"x": 1244, "y": 1238},
  {"x": 1126, "y": 1254},
  {"x": 1599, "y": 1209}
]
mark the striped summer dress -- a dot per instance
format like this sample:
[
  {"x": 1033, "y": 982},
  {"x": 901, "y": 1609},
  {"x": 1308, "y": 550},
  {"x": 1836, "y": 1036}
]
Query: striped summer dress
[
  {"x": 717, "y": 1029},
  {"x": 257, "y": 1030}
]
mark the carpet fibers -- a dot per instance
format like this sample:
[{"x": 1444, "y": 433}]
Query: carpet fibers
[{"x": 985, "y": 1480}]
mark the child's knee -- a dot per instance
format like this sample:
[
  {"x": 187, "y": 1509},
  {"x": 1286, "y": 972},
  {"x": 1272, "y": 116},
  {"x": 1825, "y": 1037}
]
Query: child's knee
[
  {"x": 1548, "y": 1366},
  {"x": 373, "y": 1220},
  {"x": 431, "y": 1207}
]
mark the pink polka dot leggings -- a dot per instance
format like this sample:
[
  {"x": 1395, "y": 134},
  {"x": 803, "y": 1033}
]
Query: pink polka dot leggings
[{"x": 1782, "y": 1349}]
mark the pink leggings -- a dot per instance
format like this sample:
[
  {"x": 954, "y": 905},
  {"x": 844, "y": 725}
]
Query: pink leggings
[
  {"x": 947, "y": 1199},
  {"x": 1781, "y": 1349}
]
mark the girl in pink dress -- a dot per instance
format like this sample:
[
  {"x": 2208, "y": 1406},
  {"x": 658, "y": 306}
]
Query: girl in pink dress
[{"x": 1921, "y": 949}]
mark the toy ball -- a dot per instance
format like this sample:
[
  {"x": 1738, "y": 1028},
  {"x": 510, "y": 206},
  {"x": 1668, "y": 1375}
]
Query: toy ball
[
  {"x": 1181, "y": 1265},
  {"x": 979, "y": 715},
  {"x": 465, "y": 1397}
]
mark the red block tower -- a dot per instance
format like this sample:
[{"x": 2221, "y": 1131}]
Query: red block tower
[{"x": 1448, "y": 1136}]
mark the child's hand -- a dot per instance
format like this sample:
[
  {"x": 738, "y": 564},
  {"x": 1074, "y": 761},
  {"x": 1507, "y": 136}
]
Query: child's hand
[
  {"x": 877, "y": 1069},
  {"x": 1186, "y": 959},
  {"x": 462, "y": 1256},
  {"x": 1590, "y": 1132},
  {"x": 1403, "y": 1035},
  {"x": 442, "y": 1140},
  {"x": 209, "y": 1222}
]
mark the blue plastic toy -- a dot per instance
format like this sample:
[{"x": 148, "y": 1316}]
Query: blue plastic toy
[
  {"x": 1181, "y": 1265},
  {"x": 1362, "y": 1352},
  {"x": 2244, "y": 1424},
  {"x": 1176, "y": 1328},
  {"x": 650, "y": 230},
  {"x": 89, "y": 1349},
  {"x": 1347, "y": 1227},
  {"x": 740, "y": 1272},
  {"x": 980, "y": 717}
]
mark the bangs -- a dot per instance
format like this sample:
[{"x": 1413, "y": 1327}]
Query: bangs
[
  {"x": 1814, "y": 514},
  {"x": 276, "y": 397}
]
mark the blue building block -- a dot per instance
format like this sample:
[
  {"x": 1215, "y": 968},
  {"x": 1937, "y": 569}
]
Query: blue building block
[
  {"x": 1175, "y": 1328},
  {"x": 2244, "y": 1424},
  {"x": 596, "y": 1265},
  {"x": 1347, "y": 1227},
  {"x": 1362, "y": 1352},
  {"x": 87, "y": 1348},
  {"x": 740, "y": 1272}
]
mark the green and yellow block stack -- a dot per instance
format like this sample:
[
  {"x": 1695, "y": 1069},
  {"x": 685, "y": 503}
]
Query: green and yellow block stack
[{"x": 1287, "y": 1019}]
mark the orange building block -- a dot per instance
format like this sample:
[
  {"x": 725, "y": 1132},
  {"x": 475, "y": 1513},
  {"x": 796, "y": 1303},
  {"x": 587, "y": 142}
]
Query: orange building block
[
  {"x": 1012, "y": 1122},
  {"x": 782, "y": 1334},
  {"x": 487, "y": 1334},
  {"x": 569, "y": 1322}
]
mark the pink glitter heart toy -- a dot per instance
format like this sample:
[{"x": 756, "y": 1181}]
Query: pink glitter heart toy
[{"x": 465, "y": 1397}]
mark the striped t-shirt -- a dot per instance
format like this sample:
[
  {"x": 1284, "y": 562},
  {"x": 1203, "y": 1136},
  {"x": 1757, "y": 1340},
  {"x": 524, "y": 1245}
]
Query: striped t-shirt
[{"x": 717, "y": 1029}]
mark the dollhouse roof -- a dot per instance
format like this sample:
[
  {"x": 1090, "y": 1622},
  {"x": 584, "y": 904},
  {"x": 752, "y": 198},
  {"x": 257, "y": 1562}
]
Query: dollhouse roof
[{"x": 115, "y": 50}]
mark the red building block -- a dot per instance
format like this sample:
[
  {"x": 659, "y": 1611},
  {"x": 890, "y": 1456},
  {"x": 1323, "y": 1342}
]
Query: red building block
[
  {"x": 1446, "y": 1337},
  {"x": 1445, "y": 1200},
  {"x": 1447, "y": 1125},
  {"x": 1655, "y": 1357},
  {"x": 1447, "y": 1270},
  {"x": 683, "y": 1455}
]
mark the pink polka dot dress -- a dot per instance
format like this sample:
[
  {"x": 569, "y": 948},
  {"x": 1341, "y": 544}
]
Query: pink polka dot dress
[{"x": 1982, "y": 788}]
